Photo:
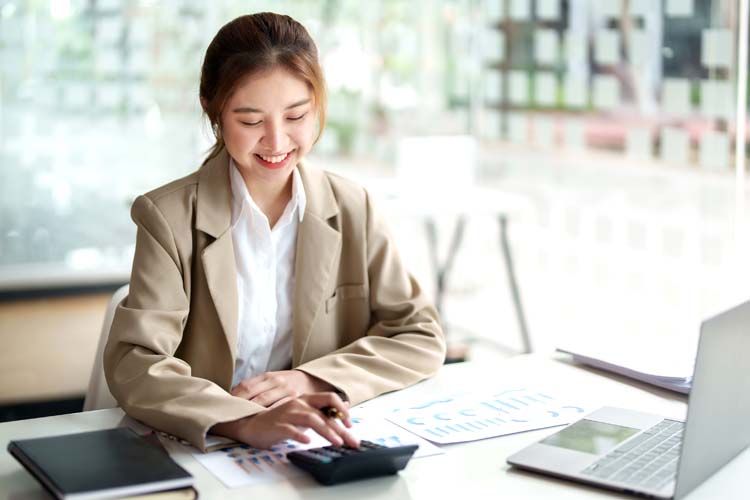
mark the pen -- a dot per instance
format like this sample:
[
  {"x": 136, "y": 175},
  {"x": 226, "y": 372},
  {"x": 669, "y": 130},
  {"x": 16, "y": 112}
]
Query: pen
[{"x": 331, "y": 412}]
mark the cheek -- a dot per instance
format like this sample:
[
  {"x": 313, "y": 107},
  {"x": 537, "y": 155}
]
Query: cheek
[
  {"x": 305, "y": 135},
  {"x": 238, "y": 137}
]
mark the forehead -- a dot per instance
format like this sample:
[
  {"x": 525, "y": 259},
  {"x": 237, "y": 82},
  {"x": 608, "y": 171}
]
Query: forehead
[{"x": 270, "y": 88}]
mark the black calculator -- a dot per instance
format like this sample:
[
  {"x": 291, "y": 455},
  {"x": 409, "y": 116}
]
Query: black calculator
[{"x": 336, "y": 464}]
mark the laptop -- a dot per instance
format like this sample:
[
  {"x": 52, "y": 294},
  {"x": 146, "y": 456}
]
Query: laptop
[{"x": 652, "y": 456}]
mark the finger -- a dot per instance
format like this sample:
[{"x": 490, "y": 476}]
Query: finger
[
  {"x": 271, "y": 396},
  {"x": 349, "y": 439},
  {"x": 297, "y": 434},
  {"x": 280, "y": 402},
  {"x": 323, "y": 399},
  {"x": 313, "y": 419},
  {"x": 248, "y": 389}
]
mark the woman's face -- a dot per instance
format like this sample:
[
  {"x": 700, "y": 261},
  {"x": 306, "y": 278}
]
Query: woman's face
[{"x": 268, "y": 124}]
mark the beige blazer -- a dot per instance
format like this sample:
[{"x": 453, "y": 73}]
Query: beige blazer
[{"x": 360, "y": 321}]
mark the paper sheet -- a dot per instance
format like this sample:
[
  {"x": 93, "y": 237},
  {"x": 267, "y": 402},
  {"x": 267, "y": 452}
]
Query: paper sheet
[
  {"x": 672, "y": 371},
  {"x": 456, "y": 419},
  {"x": 244, "y": 465}
]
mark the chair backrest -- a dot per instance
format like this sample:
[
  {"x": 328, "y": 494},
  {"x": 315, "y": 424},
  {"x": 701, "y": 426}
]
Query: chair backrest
[{"x": 98, "y": 396}]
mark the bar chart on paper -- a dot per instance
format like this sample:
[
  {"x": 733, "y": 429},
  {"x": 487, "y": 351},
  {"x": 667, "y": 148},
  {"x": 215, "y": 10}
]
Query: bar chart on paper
[
  {"x": 243, "y": 465},
  {"x": 479, "y": 416}
]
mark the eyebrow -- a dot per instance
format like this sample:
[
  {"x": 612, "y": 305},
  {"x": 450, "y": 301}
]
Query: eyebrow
[{"x": 247, "y": 109}]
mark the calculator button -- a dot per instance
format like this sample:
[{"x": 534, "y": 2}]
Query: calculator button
[
  {"x": 312, "y": 457},
  {"x": 332, "y": 464}
]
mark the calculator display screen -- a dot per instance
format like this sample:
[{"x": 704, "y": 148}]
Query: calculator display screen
[{"x": 590, "y": 437}]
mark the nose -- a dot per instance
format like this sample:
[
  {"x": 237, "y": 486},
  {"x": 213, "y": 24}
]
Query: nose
[{"x": 275, "y": 138}]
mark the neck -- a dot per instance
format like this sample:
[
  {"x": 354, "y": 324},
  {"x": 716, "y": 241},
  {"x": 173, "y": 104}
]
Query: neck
[{"x": 270, "y": 196}]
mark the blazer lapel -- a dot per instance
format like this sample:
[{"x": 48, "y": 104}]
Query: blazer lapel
[
  {"x": 214, "y": 217},
  {"x": 318, "y": 248}
]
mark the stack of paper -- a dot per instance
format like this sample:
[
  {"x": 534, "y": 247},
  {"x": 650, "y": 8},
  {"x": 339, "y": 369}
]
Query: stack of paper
[{"x": 673, "y": 371}]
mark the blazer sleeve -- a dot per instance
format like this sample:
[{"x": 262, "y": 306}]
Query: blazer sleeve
[
  {"x": 144, "y": 376},
  {"x": 405, "y": 342}
]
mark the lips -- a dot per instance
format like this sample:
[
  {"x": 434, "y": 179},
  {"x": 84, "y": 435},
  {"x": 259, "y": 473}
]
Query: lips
[{"x": 274, "y": 161}]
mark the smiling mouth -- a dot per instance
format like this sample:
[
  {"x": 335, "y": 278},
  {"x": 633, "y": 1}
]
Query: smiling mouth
[{"x": 274, "y": 159}]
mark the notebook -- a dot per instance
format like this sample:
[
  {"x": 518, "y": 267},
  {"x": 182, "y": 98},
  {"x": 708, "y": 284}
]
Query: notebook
[
  {"x": 649, "y": 455},
  {"x": 109, "y": 463}
]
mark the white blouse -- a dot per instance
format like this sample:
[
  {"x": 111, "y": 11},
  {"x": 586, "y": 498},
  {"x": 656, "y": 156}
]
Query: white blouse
[{"x": 264, "y": 259}]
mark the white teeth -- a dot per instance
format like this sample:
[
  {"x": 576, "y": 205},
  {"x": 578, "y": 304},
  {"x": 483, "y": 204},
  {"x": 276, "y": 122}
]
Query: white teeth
[{"x": 274, "y": 159}]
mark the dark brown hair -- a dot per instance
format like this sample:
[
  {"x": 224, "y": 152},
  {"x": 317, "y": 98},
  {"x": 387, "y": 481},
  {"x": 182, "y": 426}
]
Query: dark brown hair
[{"x": 250, "y": 44}]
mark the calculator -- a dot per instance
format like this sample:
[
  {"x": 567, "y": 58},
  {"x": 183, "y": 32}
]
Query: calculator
[{"x": 337, "y": 464}]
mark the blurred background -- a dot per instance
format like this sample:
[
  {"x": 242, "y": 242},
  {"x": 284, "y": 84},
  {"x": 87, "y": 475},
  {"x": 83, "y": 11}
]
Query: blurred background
[{"x": 571, "y": 169}]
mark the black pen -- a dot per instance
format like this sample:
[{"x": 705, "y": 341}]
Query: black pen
[{"x": 331, "y": 412}]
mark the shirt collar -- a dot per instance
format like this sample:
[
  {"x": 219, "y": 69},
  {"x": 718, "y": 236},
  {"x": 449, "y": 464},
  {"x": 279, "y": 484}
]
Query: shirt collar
[{"x": 241, "y": 196}]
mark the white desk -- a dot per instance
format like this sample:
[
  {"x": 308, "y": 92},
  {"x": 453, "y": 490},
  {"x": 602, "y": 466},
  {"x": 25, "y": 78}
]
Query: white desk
[{"x": 475, "y": 470}]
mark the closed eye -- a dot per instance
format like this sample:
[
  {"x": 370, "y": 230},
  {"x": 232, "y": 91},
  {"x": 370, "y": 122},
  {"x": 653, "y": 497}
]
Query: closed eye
[
  {"x": 297, "y": 118},
  {"x": 252, "y": 124}
]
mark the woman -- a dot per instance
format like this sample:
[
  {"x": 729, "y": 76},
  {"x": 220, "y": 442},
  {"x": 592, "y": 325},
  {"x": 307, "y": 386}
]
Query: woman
[{"x": 264, "y": 289}]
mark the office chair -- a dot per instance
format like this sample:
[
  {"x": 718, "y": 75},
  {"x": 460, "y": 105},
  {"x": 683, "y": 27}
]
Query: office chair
[{"x": 98, "y": 396}]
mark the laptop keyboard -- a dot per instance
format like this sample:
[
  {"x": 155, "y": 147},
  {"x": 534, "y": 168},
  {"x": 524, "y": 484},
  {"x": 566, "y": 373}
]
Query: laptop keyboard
[{"x": 648, "y": 460}]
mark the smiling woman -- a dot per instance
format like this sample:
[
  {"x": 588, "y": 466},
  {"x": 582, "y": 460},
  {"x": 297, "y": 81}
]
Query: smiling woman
[{"x": 264, "y": 289}]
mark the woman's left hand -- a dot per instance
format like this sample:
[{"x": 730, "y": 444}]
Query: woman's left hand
[{"x": 274, "y": 387}]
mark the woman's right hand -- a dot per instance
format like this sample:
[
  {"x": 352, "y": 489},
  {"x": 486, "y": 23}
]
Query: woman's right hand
[{"x": 290, "y": 420}]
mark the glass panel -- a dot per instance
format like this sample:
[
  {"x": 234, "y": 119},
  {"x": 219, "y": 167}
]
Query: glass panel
[
  {"x": 631, "y": 171},
  {"x": 98, "y": 103}
]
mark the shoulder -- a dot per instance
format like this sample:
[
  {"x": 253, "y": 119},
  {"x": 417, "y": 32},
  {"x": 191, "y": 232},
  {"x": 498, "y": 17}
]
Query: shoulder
[
  {"x": 173, "y": 203},
  {"x": 177, "y": 191},
  {"x": 346, "y": 190},
  {"x": 329, "y": 193}
]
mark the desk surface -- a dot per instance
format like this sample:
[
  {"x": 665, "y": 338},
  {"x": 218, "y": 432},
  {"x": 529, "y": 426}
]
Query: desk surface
[{"x": 468, "y": 470}]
